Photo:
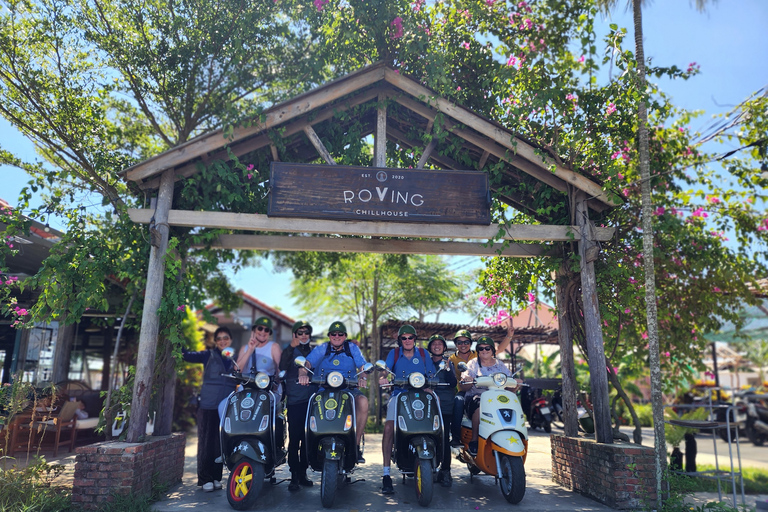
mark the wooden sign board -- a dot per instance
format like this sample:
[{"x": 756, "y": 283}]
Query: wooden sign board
[{"x": 378, "y": 194}]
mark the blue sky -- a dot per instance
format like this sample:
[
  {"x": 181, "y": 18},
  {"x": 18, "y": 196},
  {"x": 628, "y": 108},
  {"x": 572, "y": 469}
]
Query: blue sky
[{"x": 728, "y": 41}]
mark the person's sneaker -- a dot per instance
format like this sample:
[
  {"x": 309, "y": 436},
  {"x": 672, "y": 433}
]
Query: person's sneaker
[
  {"x": 208, "y": 487},
  {"x": 446, "y": 480},
  {"x": 303, "y": 480},
  {"x": 386, "y": 485},
  {"x": 360, "y": 458},
  {"x": 216, "y": 485},
  {"x": 455, "y": 443},
  {"x": 473, "y": 448},
  {"x": 294, "y": 485}
]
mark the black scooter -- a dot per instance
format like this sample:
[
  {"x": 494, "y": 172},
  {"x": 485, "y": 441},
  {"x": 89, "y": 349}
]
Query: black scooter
[
  {"x": 331, "y": 430},
  {"x": 757, "y": 419},
  {"x": 253, "y": 434},
  {"x": 418, "y": 443}
]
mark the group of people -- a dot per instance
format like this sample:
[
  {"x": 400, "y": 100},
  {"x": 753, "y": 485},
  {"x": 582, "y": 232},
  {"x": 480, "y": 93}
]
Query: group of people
[{"x": 340, "y": 354}]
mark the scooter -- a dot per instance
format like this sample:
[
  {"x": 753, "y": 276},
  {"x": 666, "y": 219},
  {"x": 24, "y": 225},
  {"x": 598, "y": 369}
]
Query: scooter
[
  {"x": 502, "y": 439},
  {"x": 539, "y": 411},
  {"x": 253, "y": 434},
  {"x": 418, "y": 438},
  {"x": 757, "y": 419},
  {"x": 330, "y": 430}
]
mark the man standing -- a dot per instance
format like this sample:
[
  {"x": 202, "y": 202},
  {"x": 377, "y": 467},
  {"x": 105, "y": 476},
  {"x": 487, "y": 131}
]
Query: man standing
[
  {"x": 403, "y": 361},
  {"x": 297, "y": 401},
  {"x": 345, "y": 357}
]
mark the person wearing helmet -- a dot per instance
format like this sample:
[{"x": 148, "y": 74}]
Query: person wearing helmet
[
  {"x": 260, "y": 354},
  {"x": 445, "y": 394},
  {"x": 463, "y": 342},
  {"x": 297, "y": 402},
  {"x": 342, "y": 356},
  {"x": 483, "y": 365},
  {"x": 402, "y": 361}
]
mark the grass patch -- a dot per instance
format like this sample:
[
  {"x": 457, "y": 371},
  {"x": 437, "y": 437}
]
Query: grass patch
[
  {"x": 755, "y": 481},
  {"x": 30, "y": 489}
]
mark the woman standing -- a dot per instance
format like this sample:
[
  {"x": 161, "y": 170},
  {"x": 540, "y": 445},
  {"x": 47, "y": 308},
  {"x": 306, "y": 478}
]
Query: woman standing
[{"x": 215, "y": 389}]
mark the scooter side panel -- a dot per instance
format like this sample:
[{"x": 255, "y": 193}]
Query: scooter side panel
[{"x": 491, "y": 402}]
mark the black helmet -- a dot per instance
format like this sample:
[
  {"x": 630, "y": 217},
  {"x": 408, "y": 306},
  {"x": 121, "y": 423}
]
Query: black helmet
[{"x": 432, "y": 339}]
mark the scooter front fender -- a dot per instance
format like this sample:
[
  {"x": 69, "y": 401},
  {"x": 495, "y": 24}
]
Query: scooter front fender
[
  {"x": 332, "y": 448},
  {"x": 254, "y": 450},
  {"x": 510, "y": 442},
  {"x": 423, "y": 446}
]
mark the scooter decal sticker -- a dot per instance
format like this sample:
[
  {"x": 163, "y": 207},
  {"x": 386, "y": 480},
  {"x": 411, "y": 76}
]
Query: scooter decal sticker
[
  {"x": 262, "y": 397},
  {"x": 336, "y": 362},
  {"x": 331, "y": 403},
  {"x": 503, "y": 399},
  {"x": 247, "y": 403}
]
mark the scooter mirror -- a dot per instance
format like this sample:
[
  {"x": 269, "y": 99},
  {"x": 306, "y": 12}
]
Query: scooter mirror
[
  {"x": 462, "y": 366},
  {"x": 442, "y": 366},
  {"x": 368, "y": 368},
  {"x": 281, "y": 375},
  {"x": 228, "y": 352},
  {"x": 381, "y": 365},
  {"x": 300, "y": 362}
]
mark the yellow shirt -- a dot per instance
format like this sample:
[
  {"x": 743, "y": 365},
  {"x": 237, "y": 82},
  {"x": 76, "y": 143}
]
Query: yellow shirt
[{"x": 455, "y": 359}]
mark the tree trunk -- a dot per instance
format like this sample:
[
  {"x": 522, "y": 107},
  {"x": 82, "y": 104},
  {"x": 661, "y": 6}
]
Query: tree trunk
[
  {"x": 565, "y": 339},
  {"x": 166, "y": 389},
  {"x": 637, "y": 434},
  {"x": 63, "y": 351},
  {"x": 145, "y": 361},
  {"x": 657, "y": 405}
]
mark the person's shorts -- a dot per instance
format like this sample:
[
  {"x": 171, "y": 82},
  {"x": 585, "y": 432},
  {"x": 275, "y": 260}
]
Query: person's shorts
[
  {"x": 471, "y": 405},
  {"x": 392, "y": 408}
]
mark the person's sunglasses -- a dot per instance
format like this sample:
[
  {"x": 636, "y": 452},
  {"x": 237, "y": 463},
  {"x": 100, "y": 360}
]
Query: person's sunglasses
[
  {"x": 463, "y": 342},
  {"x": 337, "y": 334},
  {"x": 483, "y": 348},
  {"x": 302, "y": 333},
  {"x": 222, "y": 338},
  {"x": 262, "y": 329},
  {"x": 407, "y": 338}
]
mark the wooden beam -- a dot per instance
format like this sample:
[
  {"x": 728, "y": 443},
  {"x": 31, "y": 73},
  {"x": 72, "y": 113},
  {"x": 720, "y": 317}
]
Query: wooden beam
[
  {"x": 444, "y": 161},
  {"x": 263, "y": 140},
  {"x": 259, "y": 222},
  {"x": 323, "y": 244},
  {"x": 273, "y": 150},
  {"x": 380, "y": 138},
  {"x": 275, "y": 116},
  {"x": 315, "y": 140},
  {"x": 483, "y": 160},
  {"x": 427, "y": 153},
  {"x": 498, "y": 134}
]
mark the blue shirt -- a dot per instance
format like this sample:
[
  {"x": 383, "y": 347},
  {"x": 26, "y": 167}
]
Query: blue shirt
[
  {"x": 407, "y": 365},
  {"x": 324, "y": 362}
]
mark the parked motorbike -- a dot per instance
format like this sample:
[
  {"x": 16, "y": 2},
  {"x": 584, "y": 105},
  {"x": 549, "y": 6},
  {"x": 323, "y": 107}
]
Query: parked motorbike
[
  {"x": 502, "y": 439},
  {"x": 418, "y": 439},
  {"x": 538, "y": 410},
  {"x": 330, "y": 430},
  {"x": 757, "y": 419},
  {"x": 253, "y": 433}
]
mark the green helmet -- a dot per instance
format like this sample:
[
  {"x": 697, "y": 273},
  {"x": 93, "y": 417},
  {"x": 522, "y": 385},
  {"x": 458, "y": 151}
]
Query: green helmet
[
  {"x": 436, "y": 337},
  {"x": 264, "y": 322},
  {"x": 463, "y": 333},
  {"x": 302, "y": 323},
  {"x": 486, "y": 340},
  {"x": 337, "y": 326}
]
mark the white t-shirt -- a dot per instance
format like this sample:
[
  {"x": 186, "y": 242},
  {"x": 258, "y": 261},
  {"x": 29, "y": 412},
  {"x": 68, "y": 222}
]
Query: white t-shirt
[{"x": 474, "y": 370}]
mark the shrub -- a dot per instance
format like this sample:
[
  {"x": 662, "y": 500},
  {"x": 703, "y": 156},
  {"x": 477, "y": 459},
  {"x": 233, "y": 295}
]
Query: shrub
[{"x": 31, "y": 488}]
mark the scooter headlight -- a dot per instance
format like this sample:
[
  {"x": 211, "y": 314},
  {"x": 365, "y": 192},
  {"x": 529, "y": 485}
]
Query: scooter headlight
[
  {"x": 261, "y": 380},
  {"x": 417, "y": 380},
  {"x": 335, "y": 379},
  {"x": 499, "y": 379}
]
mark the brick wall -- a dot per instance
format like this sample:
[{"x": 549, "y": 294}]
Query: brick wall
[
  {"x": 105, "y": 469},
  {"x": 620, "y": 475}
]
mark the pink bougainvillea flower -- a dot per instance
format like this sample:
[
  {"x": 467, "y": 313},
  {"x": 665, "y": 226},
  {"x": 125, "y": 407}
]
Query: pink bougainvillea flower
[
  {"x": 715, "y": 289},
  {"x": 397, "y": 23},
  {"x": 417, "y": 5},
  {"x": 531, "y": 297},
  {"x": 181, "y": 308},
  {"x": 250, "y": 175},
  {"x": 250, "y": 167},
  {"x": 490, "y": 2},
  {"x": 319, "y": 4},
  {"x": 511, "y": 61},
  {"x": 610, "y": 110},
  {"x": 465, "y": 45},
  {"x": 581, "y": 59},
  {"x": 458, "y": 88},
  {"x": 645, "y": 336},
  {"x": 659, "y": 211},
  {"x": 699, "y": 212},
  {"x": 632, "y": 280},
  {"x": 627, "y": 310}
]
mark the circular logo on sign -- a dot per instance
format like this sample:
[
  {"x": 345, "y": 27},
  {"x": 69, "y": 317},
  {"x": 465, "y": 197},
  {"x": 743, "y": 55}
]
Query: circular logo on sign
[
  {"x": 381, "y": 176},
  {"x": 503, "y": 399},
  {"x": 336, "y": 362},
  {"x": 331, "y": 404}
]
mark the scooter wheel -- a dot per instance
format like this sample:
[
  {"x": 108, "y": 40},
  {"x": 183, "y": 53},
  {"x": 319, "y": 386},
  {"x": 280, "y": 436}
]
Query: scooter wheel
[
  {"x": 329, "y": 482},
  {"x": 245, "y": 483},
  {"x": 547, "y": 426},
  {"x": 423, "y": 474},
  {"x": 512, "y": 478}
]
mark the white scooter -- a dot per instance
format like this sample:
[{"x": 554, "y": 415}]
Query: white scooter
[{"x": 502, "y": 439}]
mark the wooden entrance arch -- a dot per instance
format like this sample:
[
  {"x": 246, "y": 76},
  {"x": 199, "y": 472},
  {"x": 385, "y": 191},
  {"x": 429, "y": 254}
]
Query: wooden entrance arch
[{"x": 397, "y": 104}]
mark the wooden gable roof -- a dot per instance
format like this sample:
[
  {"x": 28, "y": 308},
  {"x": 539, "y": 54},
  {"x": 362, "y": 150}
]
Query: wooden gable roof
[{"x": 484, "y": 141}]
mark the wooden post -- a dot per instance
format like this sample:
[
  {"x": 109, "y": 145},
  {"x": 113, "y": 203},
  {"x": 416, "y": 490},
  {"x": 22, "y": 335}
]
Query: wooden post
[
  {"x": 380, "y": 139},
  {"x": 166, "y": 390},
  {"x": 64, "y": 341},
  {"x": 145, "y": 361},
  {"x": 598, "y": 375},
  {"x": 565, "y": 339}
]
